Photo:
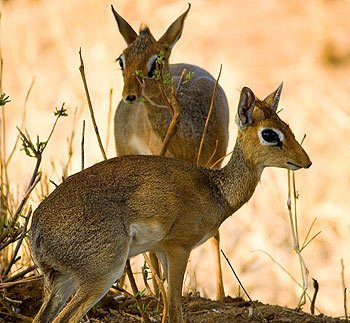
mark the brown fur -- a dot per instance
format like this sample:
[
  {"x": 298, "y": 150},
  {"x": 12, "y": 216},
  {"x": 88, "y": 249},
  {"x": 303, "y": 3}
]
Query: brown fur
[
  {"x": 83, "y": 233},
  {"x": 140, "y": 128}
]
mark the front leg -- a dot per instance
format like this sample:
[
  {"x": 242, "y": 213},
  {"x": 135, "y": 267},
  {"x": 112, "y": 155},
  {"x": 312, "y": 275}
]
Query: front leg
[{"x": 177, "y": 262}]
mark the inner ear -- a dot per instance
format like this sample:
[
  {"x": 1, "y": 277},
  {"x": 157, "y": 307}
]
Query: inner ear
[
  {"x": 173, "y": 33},
  {"x": 246, "y": 107}
]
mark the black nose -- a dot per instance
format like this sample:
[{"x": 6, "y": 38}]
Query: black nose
[
  {"x": 130, "y": 98},
  {"x": 308, "y": 166}
]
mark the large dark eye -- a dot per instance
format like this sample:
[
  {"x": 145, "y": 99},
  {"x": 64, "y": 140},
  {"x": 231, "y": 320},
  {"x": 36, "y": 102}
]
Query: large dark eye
[
  {"x": 152, "y": 68},
  {"x": 121, "y": 62},
  {"x": 269, "y": 135},
  {"x": 272, "y": 137}
]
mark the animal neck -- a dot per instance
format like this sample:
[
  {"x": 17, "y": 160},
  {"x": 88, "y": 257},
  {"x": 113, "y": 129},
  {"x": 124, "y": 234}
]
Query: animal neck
[{"x": 238, "y": 179}]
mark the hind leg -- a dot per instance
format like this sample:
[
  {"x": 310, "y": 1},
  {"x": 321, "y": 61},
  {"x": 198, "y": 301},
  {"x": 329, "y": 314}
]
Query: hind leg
[
  {"x": 93, "y": 281},
  {"x": 57, "y": 289},
  {"x": 88, "y": 293}
]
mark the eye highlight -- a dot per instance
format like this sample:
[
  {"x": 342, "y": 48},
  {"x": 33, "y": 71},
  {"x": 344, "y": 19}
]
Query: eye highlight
[{"x": 271, "y": 137}]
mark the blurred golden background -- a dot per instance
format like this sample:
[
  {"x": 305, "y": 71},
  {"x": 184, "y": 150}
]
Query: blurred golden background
[{"x": 306, "y": 44}]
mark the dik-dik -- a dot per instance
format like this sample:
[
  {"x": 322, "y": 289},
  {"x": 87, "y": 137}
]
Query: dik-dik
[
  {"x": 83, "y": 233},
  {"x": 143, "y": 117}
]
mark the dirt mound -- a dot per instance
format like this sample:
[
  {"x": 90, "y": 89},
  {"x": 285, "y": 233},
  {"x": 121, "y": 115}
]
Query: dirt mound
[{"x": 20, "y": 302}]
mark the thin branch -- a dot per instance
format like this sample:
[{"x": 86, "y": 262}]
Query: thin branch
[
  {"x": 22, "y": 122},
  {"x": 313, "y": 301},
  {"x": 240, "y": 283},
  {"x": 21, "y": 274},
  {"x": 184, "y": 72},
  {"x": 109, "y": 118},
  {"x": 344, "y": 289},
  {"x": 208, "y": 117},
  {"x": 160, "y": 285},
  {"x": 19, "y": 282},
  {"x": 19, "y": 243},
  {"x": 82, "y": 72},
  {"x": 136, "y": 292},
  {"x": 213, "y": 154},
  {"x": 221, "y": 159},
  {"x": 82, "y": 146}
]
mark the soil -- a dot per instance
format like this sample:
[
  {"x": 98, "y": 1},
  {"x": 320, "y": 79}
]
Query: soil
[{"x": 19, "y": 303}]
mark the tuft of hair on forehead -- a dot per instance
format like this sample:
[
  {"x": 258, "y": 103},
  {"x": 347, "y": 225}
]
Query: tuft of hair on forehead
[
  {"x": 144, "y": 29},
  {"x": 265, "y": 108}
]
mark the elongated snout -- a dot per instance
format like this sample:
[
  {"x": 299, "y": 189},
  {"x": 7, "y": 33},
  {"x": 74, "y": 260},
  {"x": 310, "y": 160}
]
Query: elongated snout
[{"x": 300, "y": 159}]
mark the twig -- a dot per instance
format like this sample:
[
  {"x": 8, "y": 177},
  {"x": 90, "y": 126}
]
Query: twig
[
  {"x": 109, "y": 118},
  {"x": 213, "y": 154},
  {"x": 221, "y": 159},
  {"x": 251, "y": 301},
  {"x": 184, "y": 71},
  {"x": 208, "y": 117},
  {"x": 20, "y": 274},
  {"x": 82, "y": 145},
  {"x": 313, "y": 301},
  {"x": 136, "y": 292},
  {"x": 160, "y": 285},
  {"x": 19, "y": 282},
  {"x": 344, "y": 289},
  {"x": 19, "y": 243},
  {"x": 293, "y": 218},
  {"x": 82, "y": 72},
  {"x": 22, "y": 122}
]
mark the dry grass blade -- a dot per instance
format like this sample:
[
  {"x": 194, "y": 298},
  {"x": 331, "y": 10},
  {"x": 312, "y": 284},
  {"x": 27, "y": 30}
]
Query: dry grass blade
[
  {"x": 213, "y": 154},
  {"x": 344, "y": 289},
  {"x": 240, "y": 283},
  {"x": 136, "y": 292},
  {"x": 109, "y": 118},
  {"x": 20, "y": 241},
  {"x": 220, "y": 159},
  {"x": 20, "y": 274},
  {"x": 160, "y": 285},
  {"x": 22, "y": 122},
  {"x": 82, "y": 146},
  {"x": 208, "y": 117},
  {"x": 184, "y": 72},
  {"x": 19, "y": 282},
  {"x": 82, "y": 72},
  {"x": 293, "y": 218}
]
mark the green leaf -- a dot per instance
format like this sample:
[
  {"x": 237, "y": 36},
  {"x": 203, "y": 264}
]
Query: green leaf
[
  {"x": 139, "y": 73},
  {"x": 62, "y": 112},
  {"x": 4, "y": 99}
]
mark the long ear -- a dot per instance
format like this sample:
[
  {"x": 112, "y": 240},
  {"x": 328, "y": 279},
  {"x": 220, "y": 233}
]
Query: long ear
[
  {"x": 246, "y": 105},
  {"x": 173, "y": 33},
  {"x": 274, "y": 98},
  {"x": 125, "y": 29}
]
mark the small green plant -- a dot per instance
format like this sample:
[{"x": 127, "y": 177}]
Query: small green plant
[
  {"x": 190, "y": 75},
  {"x": 14, "y": 224},
  {"x": 4, "y": 99},
  {"x": 139, "y": 74}
]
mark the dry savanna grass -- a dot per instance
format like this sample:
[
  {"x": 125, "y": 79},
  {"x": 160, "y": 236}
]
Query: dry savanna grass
[{"x": 260, "y": 44}]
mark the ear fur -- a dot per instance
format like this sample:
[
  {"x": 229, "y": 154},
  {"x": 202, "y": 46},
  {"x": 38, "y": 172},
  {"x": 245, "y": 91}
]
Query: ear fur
[
  {"x": 125, "y": 29},
  {"x": 274, "y": 98},
  {"x": 246, "y": 105},
  {"x": 173, "y": 33}
]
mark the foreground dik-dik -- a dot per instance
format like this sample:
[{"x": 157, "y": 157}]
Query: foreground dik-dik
[
  {"x": 83, "y": 233},
  {"x": 143, "y": 117}
]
